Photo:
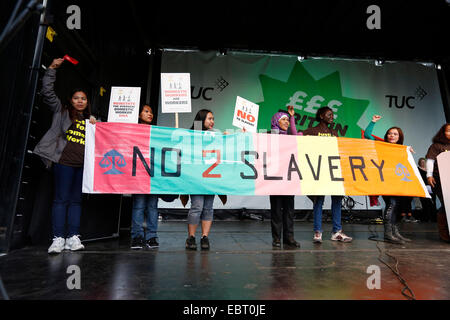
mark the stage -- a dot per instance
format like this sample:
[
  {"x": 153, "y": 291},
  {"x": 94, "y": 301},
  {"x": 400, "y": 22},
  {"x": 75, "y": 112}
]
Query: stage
[{"x": 241, "y": 265}]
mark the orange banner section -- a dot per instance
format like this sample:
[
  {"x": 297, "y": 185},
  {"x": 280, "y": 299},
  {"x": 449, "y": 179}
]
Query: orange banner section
[{"x": 379, "y": 168}]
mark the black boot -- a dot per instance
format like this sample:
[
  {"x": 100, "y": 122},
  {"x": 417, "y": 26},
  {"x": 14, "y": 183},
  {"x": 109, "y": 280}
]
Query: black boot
[
  {"x": 291, "y": 243},
  {"x": 397, "y": 234},
  {"x": 388, "y": 235}
]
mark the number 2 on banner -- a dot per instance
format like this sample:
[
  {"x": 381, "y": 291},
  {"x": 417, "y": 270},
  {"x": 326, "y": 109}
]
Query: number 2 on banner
[{"x": 207, "y": 173}]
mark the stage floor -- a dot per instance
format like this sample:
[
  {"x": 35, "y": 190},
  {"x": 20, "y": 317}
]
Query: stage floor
[{"x": 241, "y": 265}]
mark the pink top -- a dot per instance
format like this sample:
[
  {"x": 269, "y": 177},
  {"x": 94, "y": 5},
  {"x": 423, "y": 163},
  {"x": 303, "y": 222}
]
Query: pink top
[{"x": 293, "y": 128}]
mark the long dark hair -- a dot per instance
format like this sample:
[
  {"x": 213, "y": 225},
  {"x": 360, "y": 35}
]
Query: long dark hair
[
  {"x": 400, "y": 135},
  {"x": 440, "y": 135},
  {"x": 201, "y": 116},
  {"x": 70, "y": 108}
]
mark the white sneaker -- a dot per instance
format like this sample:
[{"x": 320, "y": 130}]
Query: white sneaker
[
  {"x": 57, "y": 245},
  {"x": 317, "y": 237},
  {"x": 340, "y": 236},
  {"x": 73, "y": 243}
]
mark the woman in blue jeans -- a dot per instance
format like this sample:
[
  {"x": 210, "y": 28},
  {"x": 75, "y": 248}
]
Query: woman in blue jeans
[
  {"x": 63, "y": 147},
  {"x": 145, "y": 206},
  {"x": 325, "y": 117}
]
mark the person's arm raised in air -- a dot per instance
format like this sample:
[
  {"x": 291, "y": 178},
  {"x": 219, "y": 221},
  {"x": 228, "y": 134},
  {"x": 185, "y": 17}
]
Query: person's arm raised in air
[
  {"x": 292, "y": 122},
  {"x": 48, "y": 86},
  {"x": 369, "y": 129}
]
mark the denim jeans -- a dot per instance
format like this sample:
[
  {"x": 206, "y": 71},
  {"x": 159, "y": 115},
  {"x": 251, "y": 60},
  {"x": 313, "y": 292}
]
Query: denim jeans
[
  {"x": 145, "y": 206},
  {"x": 201, "y": 208},
  {"x": 335, "y": 211},
  {"x": 67, "y": 200}
]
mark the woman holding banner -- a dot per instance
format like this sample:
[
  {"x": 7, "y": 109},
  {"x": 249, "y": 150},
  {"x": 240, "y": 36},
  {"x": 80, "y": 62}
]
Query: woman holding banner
[
  {"x": 325, "y": 117},
  {"x": 201, "y": 205},
  {"x": 282, "y": 206},
  {"x": 145, "y": 206},
  {"x": 392, "y": 209},
  {"x": 63, "y": 147},
  {"x": 441, "y": 143}
]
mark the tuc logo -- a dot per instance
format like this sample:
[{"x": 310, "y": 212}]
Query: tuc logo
[
  {"x": 400, "y": 101},
  {"x": 113, "y": 158},
  {"x": 401, "y": 170},
  {"x": 202, "y": 92}
]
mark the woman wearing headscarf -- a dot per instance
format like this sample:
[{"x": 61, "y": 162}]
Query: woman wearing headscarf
[{"x": 282, "y": 206}]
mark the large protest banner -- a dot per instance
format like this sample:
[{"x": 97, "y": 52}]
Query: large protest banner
[
  {"x": 135, "y": 158},
  {"x": 406, "y": 94}
]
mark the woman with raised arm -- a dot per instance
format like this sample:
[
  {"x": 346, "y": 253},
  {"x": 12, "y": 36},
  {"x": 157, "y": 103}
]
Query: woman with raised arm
[
  {"x": 282, "y": 206},
  {"x": 63, "y": 147},
  {"x": 392, "y": 209},
  {"x": 325, "y": 117}
]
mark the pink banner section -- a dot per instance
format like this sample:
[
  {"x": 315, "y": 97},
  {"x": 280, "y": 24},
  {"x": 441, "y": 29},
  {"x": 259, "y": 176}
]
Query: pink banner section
[
  {"x": 119, "y": 177},
  {"x": 276, "y": 172}
]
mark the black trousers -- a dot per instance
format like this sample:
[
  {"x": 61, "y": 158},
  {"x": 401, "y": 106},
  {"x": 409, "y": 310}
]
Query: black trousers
[
  {"x": 437, "y": 190},
  {"x": 441, "y": 215},
  {"x": 282, "y": 217},
  {"x": 429, "y": 208}
]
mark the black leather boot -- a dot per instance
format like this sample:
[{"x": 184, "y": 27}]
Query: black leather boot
[
  {"x": 388, "y": 235},
  {"x": 397, "y": 234},
  {"x": 291, "y": 243}
]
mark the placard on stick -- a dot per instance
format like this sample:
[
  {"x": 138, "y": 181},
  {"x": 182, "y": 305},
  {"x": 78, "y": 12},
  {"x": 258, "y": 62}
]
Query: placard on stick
[
  {"x": 124, "y": 104},
  {"x": 246, "y": 114},
  {"x": 175, "y": 92}
]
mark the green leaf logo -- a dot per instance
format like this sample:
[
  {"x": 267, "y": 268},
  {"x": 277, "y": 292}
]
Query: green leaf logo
[{"x": 307, "y": 95}]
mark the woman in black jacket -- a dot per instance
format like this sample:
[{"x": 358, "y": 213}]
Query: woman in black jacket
[
  {"x": 441, "y": 143},
  {"x": 63, "y": 147}
]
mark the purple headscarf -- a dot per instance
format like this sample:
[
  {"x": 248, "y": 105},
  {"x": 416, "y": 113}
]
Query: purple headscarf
[{"x": 276, "y": 117}]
